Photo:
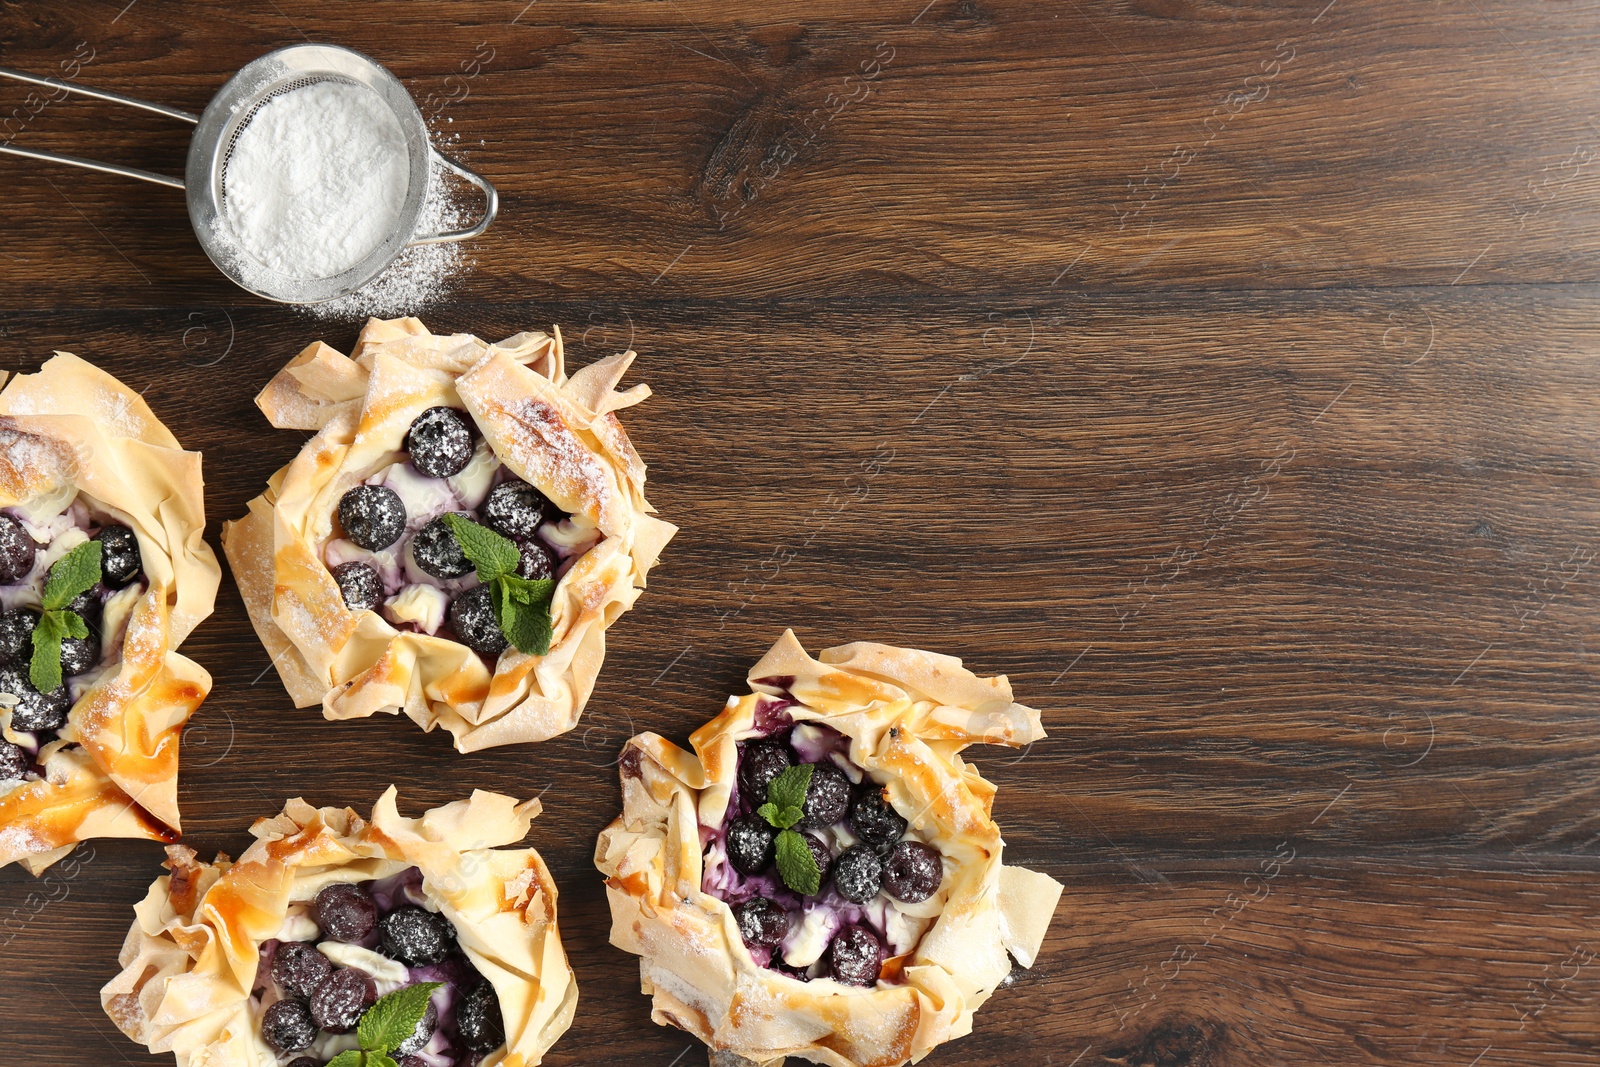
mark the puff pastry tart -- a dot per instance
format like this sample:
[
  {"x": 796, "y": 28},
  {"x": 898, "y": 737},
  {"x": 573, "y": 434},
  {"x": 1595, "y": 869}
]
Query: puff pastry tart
[
  {"x": 281, "y": 957},
  {"x": 822, "y": 878},
  {"x": 103, "y": 574},
  {"x": 357, "y": 566}
]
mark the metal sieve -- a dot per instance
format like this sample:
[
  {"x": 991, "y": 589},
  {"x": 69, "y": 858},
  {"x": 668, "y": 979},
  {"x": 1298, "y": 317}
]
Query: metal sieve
[{"x": 218, "y": 128}]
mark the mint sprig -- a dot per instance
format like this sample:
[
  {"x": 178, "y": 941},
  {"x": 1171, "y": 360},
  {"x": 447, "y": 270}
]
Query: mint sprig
[
  {"x": 521, "y": 605},
  {"x": 786, "y": 797},
  {"x": 70, "y": 576},
  {"x": 385, "y": 1025},
  {"x": 796, "y": 865},
  {"x": 785, "y": 806},
  {"x": 493, "y": 555}
]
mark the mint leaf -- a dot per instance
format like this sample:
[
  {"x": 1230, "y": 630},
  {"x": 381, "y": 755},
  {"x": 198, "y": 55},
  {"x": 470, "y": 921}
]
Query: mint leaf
[
  {"x": 537, "y": 592},
  {"x": 394, "y": 1018},
  {"x": 349, "y": 1058},
  {"x": 76, "y": 627},
  {"x": 782, "y": 818},
  {"x": 44, "y": 670},
  {"x": 74, "y": 573},
  {"x": 521, "y": 605},
  {"x": 788, "y": 790},
  {"x": 796, "y": 865},
  {"x": 493, "y": 555},
  {"x": 379, "y": 1059},
  {"x": 522, "y": 608},
  {"x": 529, "y": 629}
]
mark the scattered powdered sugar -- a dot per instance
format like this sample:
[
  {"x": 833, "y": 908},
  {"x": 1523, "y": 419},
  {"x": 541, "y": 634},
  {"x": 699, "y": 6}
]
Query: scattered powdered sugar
[
  {"x": 316, "y": 180},
  {"x": 420, "y": 275}
]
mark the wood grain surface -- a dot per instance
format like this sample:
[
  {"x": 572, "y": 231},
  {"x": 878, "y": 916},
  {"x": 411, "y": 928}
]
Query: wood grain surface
[{"x": 1224, "y": 373}]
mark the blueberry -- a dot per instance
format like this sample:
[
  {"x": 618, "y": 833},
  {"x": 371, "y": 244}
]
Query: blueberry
[
  {"x": 306, "y": 1061},
  {"x": 373, "y": 516},
  {"x": 762, "y": 923},
  {"x": 120, "y": 561},
  {"x": 478, "y": 1019},
  {"x": 827, "y": 797},
  {"x": 856, "y": 956},
  {"x": 17, "y": 550},
  {"x": 407, "y": 1061},
  {"x": 750, "y": 844},
  {"x": 913, "y": 872},
  {"x": 415, "y": 936},
  {"x": 288, "y": 1027},
  {"x": 16, "y": 635},
  {"x": 78, "y": 654},
  {"x": 342, "y": 998},
  {"x": 472, "y": 618},
  {"x": 874, "y": 821},
  {"x": 345, "y": 912},
  {"x": 422, "y": 1034},
  {"x": 87, "y": 606},
  {"x": 536, "y": 561},
  {"x": 821, "y": 856},
  {"x": 14, "y": 762},
  {"x": 436, "y": 550},
  {"x": 298, "y": 967},
  {"x": 359, "y": 585},
  {"x": 34, "y": 710},
  {"x": 515, "y": 509},
  {"x": 440, "y": 442},
  {"x": 759, "y": 763},
  {"x": 858, "y": 874}
]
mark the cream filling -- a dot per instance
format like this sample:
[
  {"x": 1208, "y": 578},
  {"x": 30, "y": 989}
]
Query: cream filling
[
  {"x": 297, "y": 925},
  {"x": 423, "y": 606},
  {"x": 415, "y": 597},
  {"x": 69, "y": 526},
  {"x": 806, "y": 943},
  {"x": 387, "y": 974}
]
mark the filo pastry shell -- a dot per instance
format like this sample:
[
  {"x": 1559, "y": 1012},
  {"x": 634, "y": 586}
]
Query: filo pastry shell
[
  {"x": 556, "y": 432},
  {"x": 73, "y": 429},
  {"x": 907, "y": 715},
  {"x": 189, "y": 960}
]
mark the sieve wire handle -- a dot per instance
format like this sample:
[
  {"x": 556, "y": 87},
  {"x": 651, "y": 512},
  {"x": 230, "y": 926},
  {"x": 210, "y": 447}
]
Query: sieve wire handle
[
  {"x": 98, "y": 94},
  {"x": 491, "y": 204}
]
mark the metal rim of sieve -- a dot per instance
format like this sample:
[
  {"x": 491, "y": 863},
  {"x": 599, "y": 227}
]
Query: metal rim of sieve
[{"x": 231, "y": 110}]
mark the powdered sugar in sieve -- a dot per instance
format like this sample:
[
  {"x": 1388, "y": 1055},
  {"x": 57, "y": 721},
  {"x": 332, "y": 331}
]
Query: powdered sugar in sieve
[{"x": 315, "y": 181}]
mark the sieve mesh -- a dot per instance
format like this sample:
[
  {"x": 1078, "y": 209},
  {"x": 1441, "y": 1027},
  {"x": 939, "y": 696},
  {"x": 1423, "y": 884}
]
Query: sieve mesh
[{"x": 266, "y": 98}]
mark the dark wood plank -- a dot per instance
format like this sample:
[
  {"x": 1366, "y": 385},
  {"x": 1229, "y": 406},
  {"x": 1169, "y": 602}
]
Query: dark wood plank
[
  {"x": 1283, "y": 545},
  {"x": 1000, "y": 484},
  {"x": 1002, "y": 147},
  {"x": 1278, "y": 958},
  {"x": 1280, "y": 495}
]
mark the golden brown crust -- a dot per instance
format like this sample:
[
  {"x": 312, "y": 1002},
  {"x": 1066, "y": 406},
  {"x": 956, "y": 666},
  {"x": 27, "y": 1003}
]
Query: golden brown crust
[
  {"x": 73, "y": 429},
  {"x": 189, "y": 960},
  {"x": 554, "y": 432},
  {"x": 908, "y": 715}
]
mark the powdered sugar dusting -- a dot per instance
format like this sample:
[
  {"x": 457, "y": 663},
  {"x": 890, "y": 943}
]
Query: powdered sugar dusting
[
  {"x": 116, "y": 411},
  {"x": 30, "y": 462},
  {"x": 17, "y": 840},
  {"x": 539, "y": 440},
  {"x": 421, "y": 275},
  {"x": 113, "y": 409}
]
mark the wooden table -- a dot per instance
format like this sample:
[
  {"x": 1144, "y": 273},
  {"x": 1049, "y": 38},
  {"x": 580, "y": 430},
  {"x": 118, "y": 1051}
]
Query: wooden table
[{"x": 1225, "y": 374}]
